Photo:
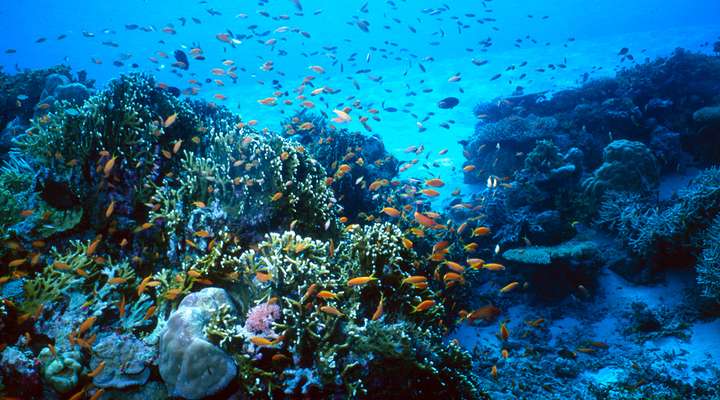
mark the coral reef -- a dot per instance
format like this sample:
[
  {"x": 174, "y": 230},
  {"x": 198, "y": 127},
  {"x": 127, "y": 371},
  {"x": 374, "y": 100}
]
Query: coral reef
[{"x": 639, "y": 104}]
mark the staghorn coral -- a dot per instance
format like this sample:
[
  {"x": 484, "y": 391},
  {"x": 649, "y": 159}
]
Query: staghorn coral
[
  {"x": 249, "y": 182},
  {"x": 516, "y": 130},
  {"x": 708, "y": 267},
  {"x": 411, "y": 359},
  {"x": 291, "y": 270}
]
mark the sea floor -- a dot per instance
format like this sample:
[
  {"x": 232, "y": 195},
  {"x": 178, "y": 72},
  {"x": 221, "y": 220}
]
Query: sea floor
[{"x": 587, "y": 348}]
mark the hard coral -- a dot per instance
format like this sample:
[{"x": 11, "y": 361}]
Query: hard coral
[
  {"x": 191, "y": 366},
  {"x": 627, "y": 166}
]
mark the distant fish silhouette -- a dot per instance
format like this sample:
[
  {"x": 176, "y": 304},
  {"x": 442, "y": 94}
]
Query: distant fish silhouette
[
  {"x": 448, "y": 102},
  {"x": 182, "y": 59}
]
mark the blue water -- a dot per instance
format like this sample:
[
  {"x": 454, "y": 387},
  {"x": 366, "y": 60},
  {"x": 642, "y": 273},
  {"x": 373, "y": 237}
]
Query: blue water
[
  {"x": 415, "y": 53},
  {"x": 585, "y": 36}
]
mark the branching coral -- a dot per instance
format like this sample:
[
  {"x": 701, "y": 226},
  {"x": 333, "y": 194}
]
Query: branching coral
[
  {"x": 708, "y": 267},
  {"x": 319, "y": 319}
]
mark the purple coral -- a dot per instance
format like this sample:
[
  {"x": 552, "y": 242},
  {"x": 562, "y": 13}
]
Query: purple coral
[{"x": 261, "y": 317}]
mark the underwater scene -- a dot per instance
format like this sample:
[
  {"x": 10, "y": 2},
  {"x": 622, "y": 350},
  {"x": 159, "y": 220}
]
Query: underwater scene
[{"x": 359, "y": 199}]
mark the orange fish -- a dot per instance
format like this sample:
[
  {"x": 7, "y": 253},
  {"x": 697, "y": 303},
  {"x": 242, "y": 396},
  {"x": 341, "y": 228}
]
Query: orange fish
[
  {"x": 423, "y": 306},
  {"x": 169, "y": 120},
  {"x": 424, "y": 220},
  {"x": 435, "y": 182},
  {"x": 414, "y": 280},
  {"x": 324, "y": 294},
  {"x": 116, "y": 280},
  {"x": 361, "y": 280},
  {"x": 92, "y": 247},
  {"x": 488, "y": 313},
  {"x": 504, "y": 332},
  {"x": 260, "y": 341},
  {"x": 475, "y": 263},
  {"x": 121, "y": 307},
  {"x": 392, "y": 212},
  {"x": 176, "y": 146},
  {"x": 17, "y": 263},
  {"x": 97, "y": 370},
  {"x": 493, "y": 267},
  {"x": 430, "y": 192},
  {"x": 455, "y": 266},
  {"x": 332, "y": 311},
  {"x": 509, "y": 287},
  {"x": 379, "y": 310},
  {"x": 149, "y": 313},
  {"x": 98, "y": 394},
  {"x": 481, "y": 231},
  {"x": 277, "y": 196},
  {"x": 109, "y": 166},
  {"x": 110, "y": 209},
  {"x": 263, "y": 276},
  {"x": 87, "y": 324}
]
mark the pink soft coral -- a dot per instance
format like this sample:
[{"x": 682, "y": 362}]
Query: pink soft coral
[{"x": 261, "y": 317}]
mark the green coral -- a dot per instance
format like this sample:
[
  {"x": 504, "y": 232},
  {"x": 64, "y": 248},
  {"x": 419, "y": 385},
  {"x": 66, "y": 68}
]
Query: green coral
[{"x": 48, "y": 286}]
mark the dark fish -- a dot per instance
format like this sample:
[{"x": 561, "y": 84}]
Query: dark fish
[
  {"x": 131, "y": 27},
  {"x": 363, "y": 25},
  {"x": 448, "y": 102},
  {"x": 196, "y": 20},
  {"x": 10, "y": 51},
  {"x": 623, "y": 51},
  {"x": 173, "y": 90},
  {"x": 58, "y": 195},
  {"x": 182, "y": 59}
]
